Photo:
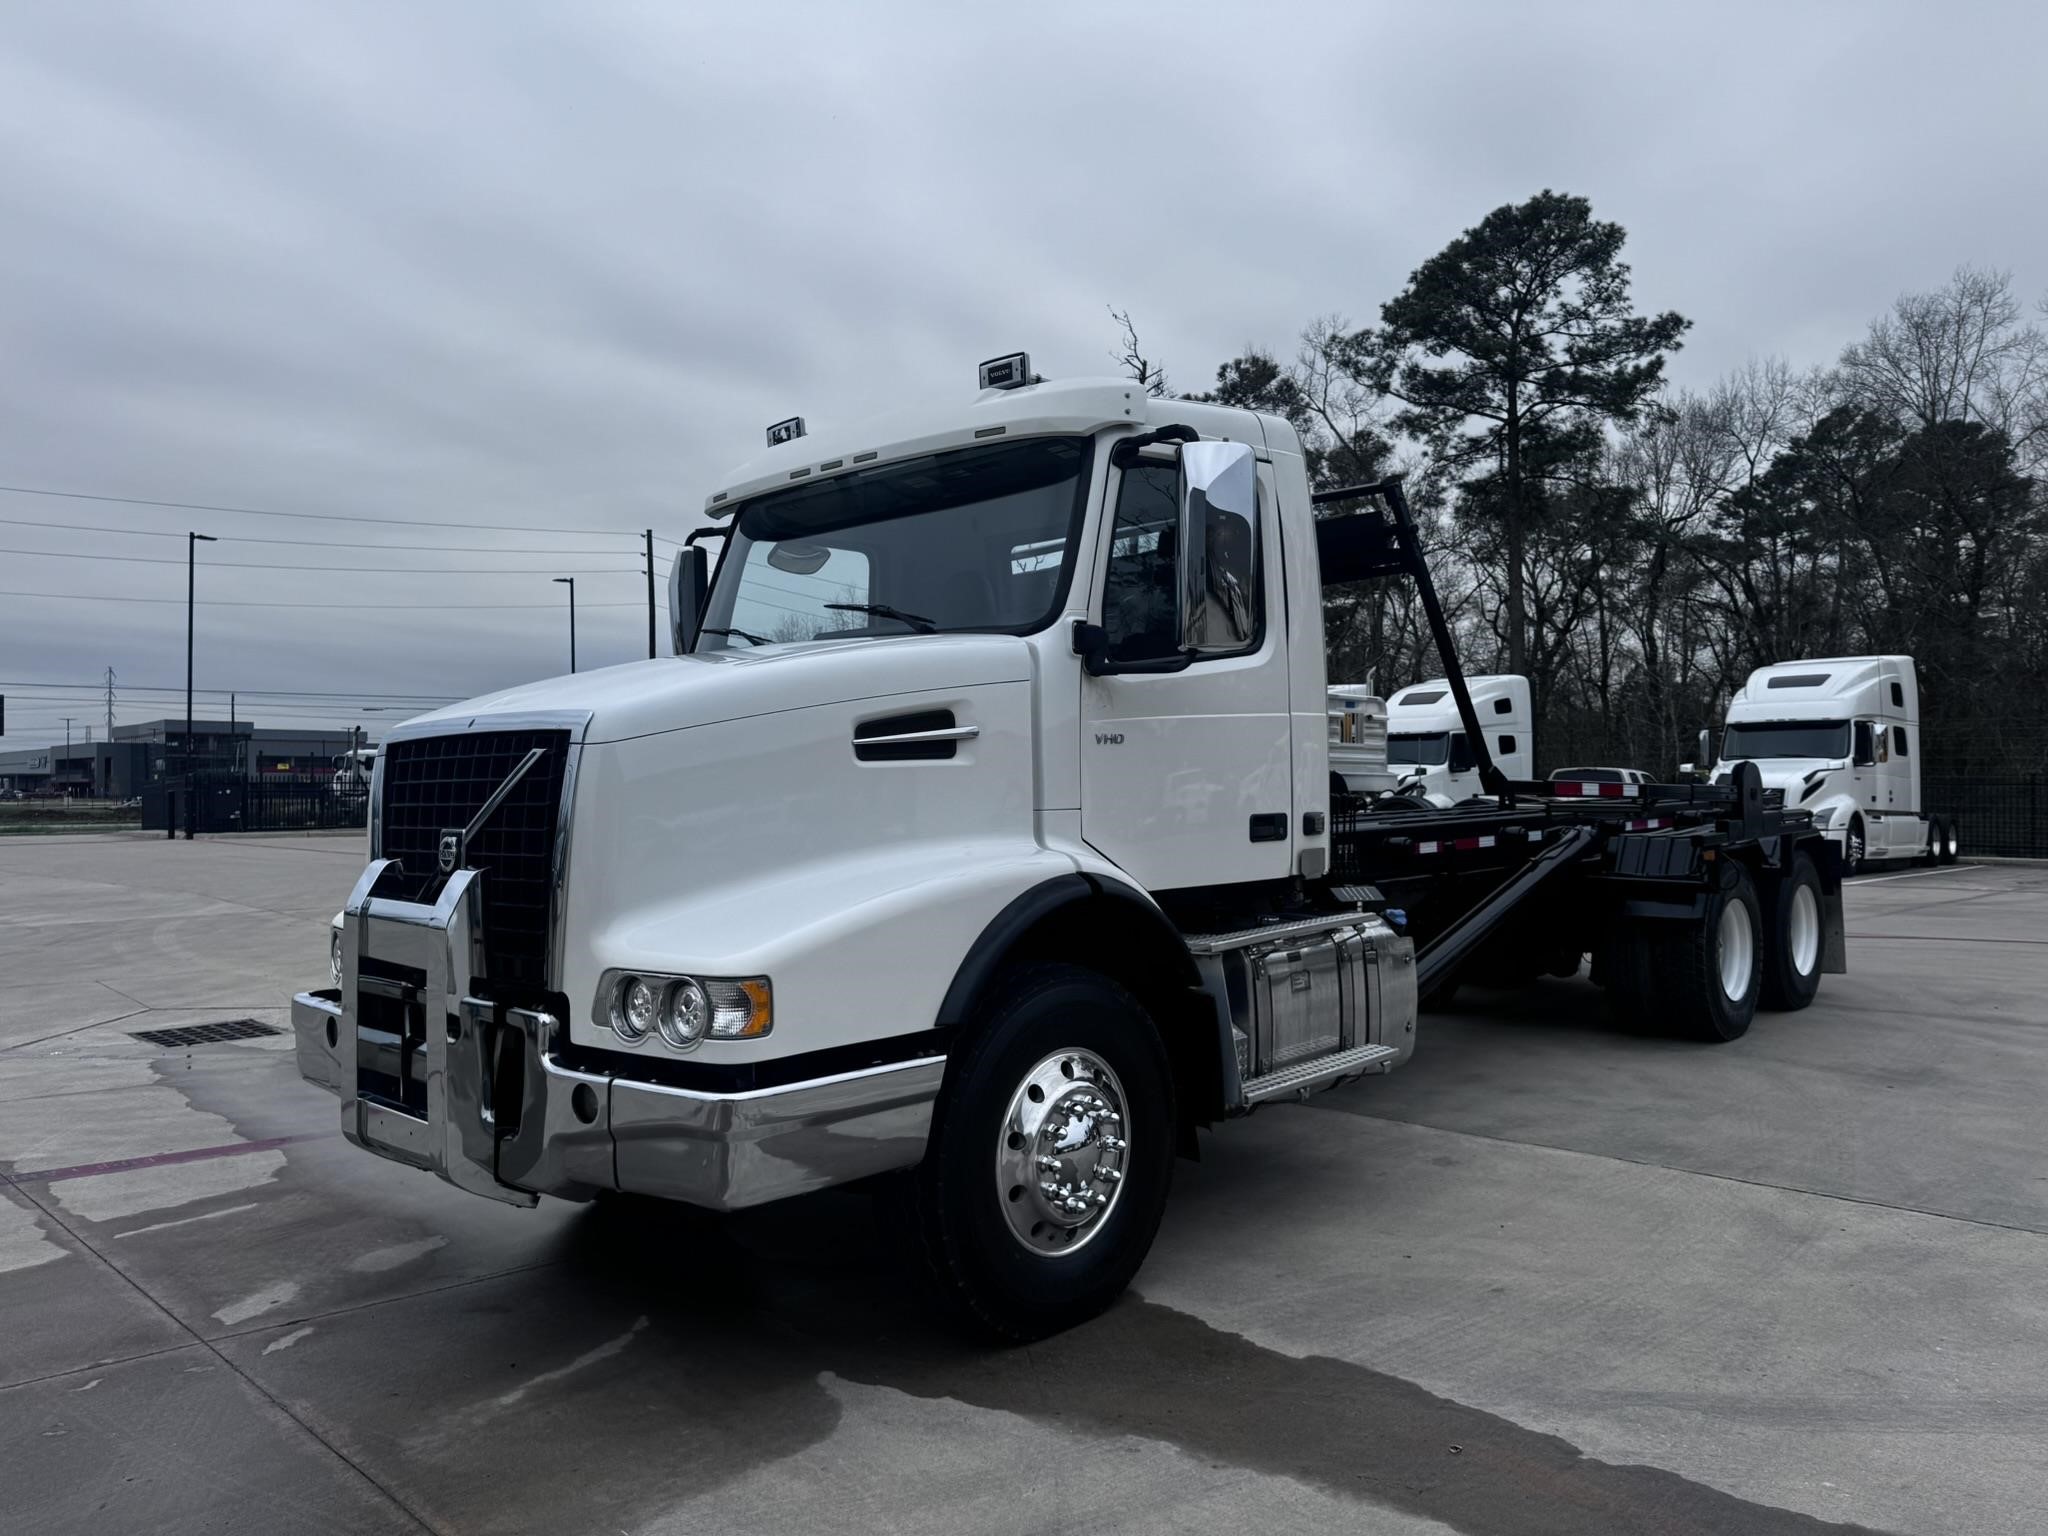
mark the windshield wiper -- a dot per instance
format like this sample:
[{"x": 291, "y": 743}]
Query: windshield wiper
[
  {"x": 749, "y": 638},
  {"x": 916, "y": 621}
]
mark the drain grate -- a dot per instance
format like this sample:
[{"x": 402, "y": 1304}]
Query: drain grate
[{"x": 207, "y": 1034}]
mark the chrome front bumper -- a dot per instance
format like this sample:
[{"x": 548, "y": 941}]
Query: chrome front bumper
[{"x": 505, "y": 1118}]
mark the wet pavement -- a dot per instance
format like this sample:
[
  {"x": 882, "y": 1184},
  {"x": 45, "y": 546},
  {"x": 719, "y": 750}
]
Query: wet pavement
[{"x": 1550, "y": 1277}]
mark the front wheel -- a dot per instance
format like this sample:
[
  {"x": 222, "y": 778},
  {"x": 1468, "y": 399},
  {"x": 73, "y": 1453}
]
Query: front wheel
[
  {"x": 1050, "y": 1155},
  {"x": 1852, "y": 849}
]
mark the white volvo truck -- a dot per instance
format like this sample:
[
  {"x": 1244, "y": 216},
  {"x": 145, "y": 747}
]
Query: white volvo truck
[
  {"x": 980, "y": 842},
  {"x": 1839, "y": 736},
  {"x": 1429, "y": 750}
]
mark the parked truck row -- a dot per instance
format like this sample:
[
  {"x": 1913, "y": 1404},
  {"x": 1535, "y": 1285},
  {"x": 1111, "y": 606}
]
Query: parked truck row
[{"x": 980, "y": 841}]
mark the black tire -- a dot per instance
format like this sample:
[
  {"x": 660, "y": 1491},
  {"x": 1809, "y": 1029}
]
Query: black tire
[
  {"x": 1685, "y": 967},
  {"x": 996, "y": 1285},
  {"x": 1792, "y": 950},
  {"x": 1854, "y": 849},
  {"x": 1932, "y": 856},
  {"x": 1951, "y": 844}
]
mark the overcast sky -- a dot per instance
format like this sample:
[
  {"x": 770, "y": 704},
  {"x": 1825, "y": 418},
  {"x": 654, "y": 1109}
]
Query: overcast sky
[{"x": 558, "y": 266}]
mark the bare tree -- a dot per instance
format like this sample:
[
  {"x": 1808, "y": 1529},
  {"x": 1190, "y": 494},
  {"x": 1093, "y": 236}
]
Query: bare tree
[{"x": 1130, "y": 356}]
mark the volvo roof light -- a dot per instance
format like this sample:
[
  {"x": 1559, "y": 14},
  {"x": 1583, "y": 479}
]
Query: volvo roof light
[
  {"x": 785, "y": 431},
  {"x": 1010, "y": 371}
]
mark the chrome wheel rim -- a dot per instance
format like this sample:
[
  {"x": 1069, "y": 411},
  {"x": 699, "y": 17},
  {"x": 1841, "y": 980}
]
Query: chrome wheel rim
[
  {"x": 1061, "y": 1153},
  {"x": 1736, "y": 943},
  {"x": 1804, "y": 930},
  {"x": 1855, "y": 849}
]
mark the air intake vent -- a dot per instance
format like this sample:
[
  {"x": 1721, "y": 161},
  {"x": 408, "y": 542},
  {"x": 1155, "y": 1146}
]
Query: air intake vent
[{"x": 911, "y": 738}]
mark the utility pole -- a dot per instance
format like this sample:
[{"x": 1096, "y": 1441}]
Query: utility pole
[
  {"x": 570, "y": 583},
  {"x": 67, "y": 751},
  {"x": 650, "y": 594},
  {"x": 110, "y": 703},
  {"x": 192, "y": 543}
]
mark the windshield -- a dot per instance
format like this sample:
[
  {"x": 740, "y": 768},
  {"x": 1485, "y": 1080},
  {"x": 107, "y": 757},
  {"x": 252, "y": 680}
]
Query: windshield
[
  {"x": 1423, "y": 751},
  {"x": 1786, "y": 738},
  {"x": 975, "y": 539},
  {"x": 1589, "y": 775}
]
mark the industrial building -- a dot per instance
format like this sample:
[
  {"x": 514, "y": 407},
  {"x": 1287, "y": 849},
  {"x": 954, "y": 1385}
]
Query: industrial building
[{"x": 152, "y": 750}]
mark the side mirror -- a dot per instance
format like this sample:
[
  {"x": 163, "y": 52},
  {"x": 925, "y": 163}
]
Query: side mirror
[
  {"x": 1217, "y": 567},
  {"x": 689, "y": 580},
  {"x": 1705, "y": 755}
]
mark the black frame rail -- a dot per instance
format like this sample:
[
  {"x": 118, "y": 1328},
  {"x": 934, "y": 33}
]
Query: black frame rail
[{"x": 1373, "y": 545}]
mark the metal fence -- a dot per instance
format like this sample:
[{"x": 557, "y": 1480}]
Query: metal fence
[
  {"x": 2005, "y": 818},
  {"x": 230, "y": 802}
]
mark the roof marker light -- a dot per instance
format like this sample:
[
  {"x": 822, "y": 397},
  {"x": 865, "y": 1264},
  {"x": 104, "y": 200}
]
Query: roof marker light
[
  {"x": 1010, "y": 371},
  {"x": 785, "y": 431}
]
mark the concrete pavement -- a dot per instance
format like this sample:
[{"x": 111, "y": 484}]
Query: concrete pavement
[{"x": 1549, "y": 1277}]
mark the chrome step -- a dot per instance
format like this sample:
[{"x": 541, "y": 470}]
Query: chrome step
[{"x": 1306, "y": 1076}]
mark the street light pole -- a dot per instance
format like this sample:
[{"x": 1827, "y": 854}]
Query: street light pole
[
  {"x": 570, "y": 583},
  {"x": 192, "y": 543}
]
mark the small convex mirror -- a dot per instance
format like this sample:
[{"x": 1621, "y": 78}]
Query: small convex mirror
[
  {"x": 1218, "y": 548},
  {"x": 798, "y": 559}
]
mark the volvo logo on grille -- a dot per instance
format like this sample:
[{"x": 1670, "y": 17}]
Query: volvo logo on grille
[{"x": 451, "y": 852}]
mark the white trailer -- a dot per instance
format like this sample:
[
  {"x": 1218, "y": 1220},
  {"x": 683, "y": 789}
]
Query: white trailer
[
  {"x": 1840, "y": 736},
  {"x": 1430, "y": 751}
]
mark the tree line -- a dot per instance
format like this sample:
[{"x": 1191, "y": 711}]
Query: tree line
[{"x": 1637, "y": 549}]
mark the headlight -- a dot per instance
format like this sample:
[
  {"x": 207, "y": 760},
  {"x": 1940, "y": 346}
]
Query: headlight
[
  {"x": 334, "y": 953},
  {"x": 635, "y": 1008},
  {"x": 1823, "y": 816},
  {"x": 686, "y": 1014},
  {"x": 684, "y": 1010}
]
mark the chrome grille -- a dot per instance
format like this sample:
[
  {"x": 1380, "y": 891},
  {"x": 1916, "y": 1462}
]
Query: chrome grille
[{"x": 435, "y": 784}]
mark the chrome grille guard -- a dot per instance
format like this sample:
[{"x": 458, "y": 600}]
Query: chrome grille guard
[{"x": 464, "y": 1055}]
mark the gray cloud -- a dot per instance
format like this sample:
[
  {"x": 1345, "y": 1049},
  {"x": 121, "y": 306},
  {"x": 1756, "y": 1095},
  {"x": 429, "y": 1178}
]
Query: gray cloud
[{"x": 498, "y": 264}]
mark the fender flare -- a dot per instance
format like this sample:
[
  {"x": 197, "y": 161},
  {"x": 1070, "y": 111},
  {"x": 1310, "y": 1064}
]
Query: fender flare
[{"x": 985, "y": 957}]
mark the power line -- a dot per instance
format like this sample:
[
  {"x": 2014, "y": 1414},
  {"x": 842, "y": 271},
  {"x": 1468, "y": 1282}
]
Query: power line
[
  {"x": 243, "y": 538},
  {"x": 275, "y": 693},
  {"x": 324, "y": 517},
  {"x": 216, "y": 602},
  {"x": 382, "y": 570}
]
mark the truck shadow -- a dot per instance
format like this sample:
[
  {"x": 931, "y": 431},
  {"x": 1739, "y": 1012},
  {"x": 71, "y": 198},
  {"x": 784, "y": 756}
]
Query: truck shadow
[{"x": 752, "y": 1326}]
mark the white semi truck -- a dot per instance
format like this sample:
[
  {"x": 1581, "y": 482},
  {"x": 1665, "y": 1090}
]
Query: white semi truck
[
  {"x": 979, "y": 842},
  {"x": 1839, "y": 737}
]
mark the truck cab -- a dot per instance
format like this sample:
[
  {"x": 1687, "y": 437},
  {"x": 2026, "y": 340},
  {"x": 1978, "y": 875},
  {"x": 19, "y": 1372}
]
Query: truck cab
[
  {"x": 1839, "y": 736},
  {"x": 1429, "y": 750}
]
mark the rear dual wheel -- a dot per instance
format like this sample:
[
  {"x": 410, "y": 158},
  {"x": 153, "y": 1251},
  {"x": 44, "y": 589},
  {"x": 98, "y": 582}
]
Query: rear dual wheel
[
  {"x": 1700, "y": 979},
  {"x": 1791, "y": 972}
]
